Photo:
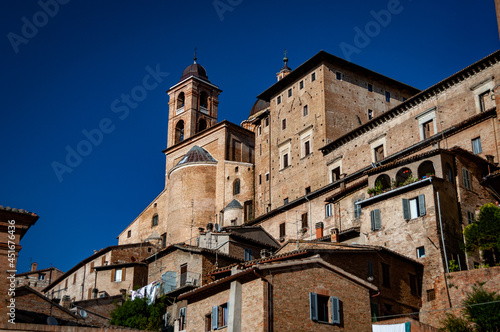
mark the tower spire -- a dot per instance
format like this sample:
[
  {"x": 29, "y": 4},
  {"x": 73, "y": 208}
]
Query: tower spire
[
  {"x": 285, "y": 70},
  {"x": 194, "y": 57}
]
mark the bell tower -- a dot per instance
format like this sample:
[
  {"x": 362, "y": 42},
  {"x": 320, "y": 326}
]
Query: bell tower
[{"x": 193, "y": 103}]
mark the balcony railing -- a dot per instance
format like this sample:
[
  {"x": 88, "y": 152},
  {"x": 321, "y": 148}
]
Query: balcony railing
[{"x": 179, "y": 110}]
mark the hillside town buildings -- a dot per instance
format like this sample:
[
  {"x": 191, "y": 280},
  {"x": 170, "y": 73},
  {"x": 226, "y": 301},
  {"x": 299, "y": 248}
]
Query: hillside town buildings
[{"x": 341, "y": 199}]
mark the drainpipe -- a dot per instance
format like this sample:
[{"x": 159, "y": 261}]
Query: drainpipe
[{"x": 444, "y": 248}]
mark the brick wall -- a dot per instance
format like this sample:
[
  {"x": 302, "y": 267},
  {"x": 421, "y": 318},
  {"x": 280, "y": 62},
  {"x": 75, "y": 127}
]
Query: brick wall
[{"x": 459, "y": 284}]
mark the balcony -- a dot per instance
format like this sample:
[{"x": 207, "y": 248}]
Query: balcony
[{"x": 171, "y": 281}]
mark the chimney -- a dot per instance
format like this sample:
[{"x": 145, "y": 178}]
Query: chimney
[
  {"x": 66, "y": 301},
  {"x": 319, "y": 230},
  {"x": 33, "y": 266},
  {"x": 334, "y": 235}
]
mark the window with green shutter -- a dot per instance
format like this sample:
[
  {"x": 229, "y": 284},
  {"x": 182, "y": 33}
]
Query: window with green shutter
[
  {"x": 466, "y": 178},
  {"x": 324, "y": 309},
  {"x": 414, "y": 207}
]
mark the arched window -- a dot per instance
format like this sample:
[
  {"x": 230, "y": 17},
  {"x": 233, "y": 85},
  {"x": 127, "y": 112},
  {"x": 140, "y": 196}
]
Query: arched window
[
  {"x": 384, "y": 180},
  {"x": 203, "y": 99},
  {"x": 202, "y": 124},
  {"x": 154, "y": 221},
  {"x": 425, "y": 169},
  {"x": 179, "y": 131},
  {"x": 236, "y": 187},
  {"x": 403, "y": 175},
  {"x": 180, "y": 100},
  {"x": 449, "y": 173}
]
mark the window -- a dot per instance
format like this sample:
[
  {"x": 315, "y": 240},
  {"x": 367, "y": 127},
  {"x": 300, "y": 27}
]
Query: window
[
  {"x": 324, "y": 309},
  {"x": 471, "y": 217},
  {"x": 338, "y": 75},
  {"x": 236, "y": 187},
  {"x": 375, "y": 219},
  {"x": 313, "y": 77},
  {"x": 307, "y": 148},
  {"x": 259, "y": 131},
  {"x": 248, "y": 254},
  {"x": 449, "y": 173},
  {"x": 482, "y": 101},
  {"x": 304, "y": 223},
  {"x": 179, "y": 131},
  {"x": 476, "y": 145},
  {"x": 41, "y": 277},
  {"x": 420, "y": 252},
  {"x": 428, "y": 128},
  {"x": 204, "y": 99},
  {"x": 305, "y": 111},
  {"x": 282, "y": 229},
  {"x": 260, "y": 179},
  {"x": 301, "y": 84},
  {"x": 266, "y": 122},
  {"x": 357, "y": 208},
  {"x": 285, "y": 160},
  {"x": 278, "y": 100},
  {"x": 386, "y": 277},
  {"x": 247, "y": 211},
  {"x": 283, "y": 124},
  {"x": 184, "y": 274},
  {"x": 370, "y": 114},
  {"x": 182, "y": 319},
  {"x": 370, "y": 87},
  {"x": 129, "y": 234},
  {"x": 414, "y": 207},
  {"x": 431, "y": 294},
  {"x": 117, "y": 275},
  {"x": 427, "y": 123},
  {"x": 164, "y": 240},
  {"x": 208, "y": 322},
  {"x": 335, "y": 174},
  {"x": 308, "y": 190},
  {"x": 413, "y": 284},
  {"x": 267, "y": 177},
  {"x": 328, "y": 210},
  {"x": 154, "y": 221},
  {"x": 74, "y": 278},
  {"x": 369, "y": 269},
  {"x": 466, "y": 178},
  {"x": 289, "y": 92},
  {"x": 236, "y": 169},
  {"x": 220, "y": 316},
  {"x": 388, "y": 96},
  {"x": 379, "y": 153},
  {"x": 285, "y": 201}
]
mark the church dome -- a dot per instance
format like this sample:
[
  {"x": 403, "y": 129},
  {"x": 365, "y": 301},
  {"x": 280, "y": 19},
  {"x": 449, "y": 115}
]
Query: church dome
[
  {"x": 196, "y": 155},
  {"x": 195, "y": 70},
  {"x": 259, "y": 106}
]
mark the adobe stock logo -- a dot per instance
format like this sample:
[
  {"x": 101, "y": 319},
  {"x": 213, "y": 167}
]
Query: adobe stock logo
[
  {"x": 222, "y": 6},
  {"x": 29, "y": 29},
  {"x": 363, "y": 37},
  {"x": 94, "y": 137}
]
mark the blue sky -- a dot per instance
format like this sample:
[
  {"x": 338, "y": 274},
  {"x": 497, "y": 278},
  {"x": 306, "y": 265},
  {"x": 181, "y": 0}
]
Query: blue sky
[{"x": 63, "y": 67}]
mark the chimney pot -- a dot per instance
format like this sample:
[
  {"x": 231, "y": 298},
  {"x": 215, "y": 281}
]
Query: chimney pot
[{"x": 33, "y": 266}]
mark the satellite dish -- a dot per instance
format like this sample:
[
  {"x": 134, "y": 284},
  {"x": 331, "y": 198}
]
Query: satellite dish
[
  {"x": 52, "y": 321},
  {"x": 82, "y": 313}
]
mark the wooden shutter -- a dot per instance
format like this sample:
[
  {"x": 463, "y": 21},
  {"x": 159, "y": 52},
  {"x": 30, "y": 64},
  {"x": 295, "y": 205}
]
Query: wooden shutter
[
  {"x": 466, "y": 178},
  {"x": 112, "y": 275},
  {"x": 335, "y": 310},
  {"x": 421, "y": 205},
  {"x": 406, "y": 209},
  {"x": 372, "y": 219},
  {"x": 378, "y": 221},
  {"x": 313, "y": 306},
  {"x": 215, "y": 317},
  {"x": 90, "y": 294},
  {"x": 123, "y": 273}
]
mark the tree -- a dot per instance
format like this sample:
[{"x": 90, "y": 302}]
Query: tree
[
  {"x": 481, "y": 313},
  {"x": 139, "y": 315},
  {"x": 484, "y": 234}
]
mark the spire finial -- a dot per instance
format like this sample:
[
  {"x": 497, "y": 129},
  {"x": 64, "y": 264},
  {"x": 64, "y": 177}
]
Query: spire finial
[
  {"x": 285, "y": 60},
  {"x": 194, "y": 57}
]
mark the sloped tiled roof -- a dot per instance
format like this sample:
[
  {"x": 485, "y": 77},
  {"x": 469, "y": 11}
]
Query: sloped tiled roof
[{"x": 196, "y": 155}]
